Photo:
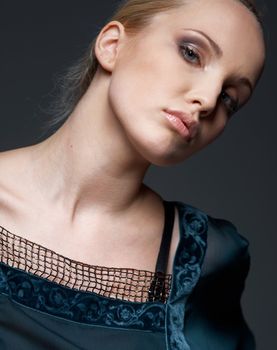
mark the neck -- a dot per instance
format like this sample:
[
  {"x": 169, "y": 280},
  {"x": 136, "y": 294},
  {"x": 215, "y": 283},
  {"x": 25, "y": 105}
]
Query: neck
[{"x": 89, "y": 162}]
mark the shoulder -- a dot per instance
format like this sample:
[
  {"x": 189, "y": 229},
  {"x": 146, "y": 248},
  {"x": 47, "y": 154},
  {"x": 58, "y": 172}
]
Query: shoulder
[
  {"x": 12, "y": 184},
  {"x": 224, "y": 233},
  {"x": 226, "y": 247}
]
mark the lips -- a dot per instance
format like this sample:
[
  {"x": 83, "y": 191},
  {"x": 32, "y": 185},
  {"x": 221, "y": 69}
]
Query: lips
[{"x": 190, "y": 123}]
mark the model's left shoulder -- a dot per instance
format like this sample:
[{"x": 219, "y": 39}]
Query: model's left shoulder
[
  {"x": 214, "y": 305},
  {"x": 225, "y": 245},
  {"x": 226, "y": 233}
]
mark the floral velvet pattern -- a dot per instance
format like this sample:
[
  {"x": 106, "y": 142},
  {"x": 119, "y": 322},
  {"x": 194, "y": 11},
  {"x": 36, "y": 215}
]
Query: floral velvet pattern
[
  {"x": 90, "y": 308},
  {"x": 186, "y": 272},
  {"x": 85, "y": 307}
]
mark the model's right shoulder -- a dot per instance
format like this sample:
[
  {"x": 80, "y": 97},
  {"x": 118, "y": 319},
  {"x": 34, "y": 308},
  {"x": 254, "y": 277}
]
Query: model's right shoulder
[{"x": 11, "y": 182}]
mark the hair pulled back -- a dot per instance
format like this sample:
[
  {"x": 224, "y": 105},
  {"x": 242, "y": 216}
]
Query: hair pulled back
[{"x": 134, "y": 15}]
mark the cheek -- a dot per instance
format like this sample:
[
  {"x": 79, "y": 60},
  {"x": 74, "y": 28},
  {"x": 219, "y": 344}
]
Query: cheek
[
  {"x": 213, "y": 127},
  {"x": 137, "y": 88},
  {"x": 127, "y": 95},
  {"x": 143, "y": 77}
]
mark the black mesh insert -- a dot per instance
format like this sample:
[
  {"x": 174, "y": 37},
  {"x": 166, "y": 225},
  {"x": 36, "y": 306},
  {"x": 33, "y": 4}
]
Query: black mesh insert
[{"x": 118, "y": 283}]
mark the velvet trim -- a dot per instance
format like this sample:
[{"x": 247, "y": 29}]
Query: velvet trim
[
  {"x": 85, "y": 307},
  {"x": 188, "y": 260}
]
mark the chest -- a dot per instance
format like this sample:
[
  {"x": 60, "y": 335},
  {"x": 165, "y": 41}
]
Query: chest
[{"x": 103, "y": 242}]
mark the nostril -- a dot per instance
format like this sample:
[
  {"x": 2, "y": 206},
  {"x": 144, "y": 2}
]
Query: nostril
[{"x": 204, "y": 114}]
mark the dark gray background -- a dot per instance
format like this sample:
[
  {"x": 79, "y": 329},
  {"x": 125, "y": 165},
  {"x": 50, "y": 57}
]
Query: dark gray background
[{"x": 234, "y": 178}]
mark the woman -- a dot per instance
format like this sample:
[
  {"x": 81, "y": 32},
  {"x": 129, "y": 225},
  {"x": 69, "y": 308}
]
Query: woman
[{"x": 91, "y": 257}]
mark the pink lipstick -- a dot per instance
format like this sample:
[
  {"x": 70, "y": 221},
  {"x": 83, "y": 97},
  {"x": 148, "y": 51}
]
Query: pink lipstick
[{"x": 183, "y": 123}]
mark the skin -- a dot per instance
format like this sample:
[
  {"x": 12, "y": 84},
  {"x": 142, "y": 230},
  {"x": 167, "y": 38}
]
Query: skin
[{"x": 89, "y": 174}]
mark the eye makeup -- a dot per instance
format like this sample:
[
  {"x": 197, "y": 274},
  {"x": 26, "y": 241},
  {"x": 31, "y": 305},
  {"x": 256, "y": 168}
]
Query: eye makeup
[
  {"x": 190, "y": 53},
  {"x": 202, "y": 38},
  {"x": 196, "y": 40},
  {"x": 192, "y": 46}
]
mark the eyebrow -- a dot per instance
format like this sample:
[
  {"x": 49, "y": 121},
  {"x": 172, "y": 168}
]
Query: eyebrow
[{"x": 219, "y": 52}]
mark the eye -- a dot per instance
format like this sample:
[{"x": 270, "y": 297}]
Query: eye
[
  {"x": 190, "y": 54},
  {"x": 231, "y": 104}
]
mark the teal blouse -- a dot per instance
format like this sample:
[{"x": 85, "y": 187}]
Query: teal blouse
[{"x": 202, "y": 311}]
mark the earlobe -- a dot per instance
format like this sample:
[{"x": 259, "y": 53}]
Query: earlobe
[{"x": 107, "y": 44}]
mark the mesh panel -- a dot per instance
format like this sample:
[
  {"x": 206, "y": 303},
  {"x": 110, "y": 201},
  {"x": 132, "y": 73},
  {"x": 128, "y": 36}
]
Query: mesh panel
[{"x": 119, "y": 283}]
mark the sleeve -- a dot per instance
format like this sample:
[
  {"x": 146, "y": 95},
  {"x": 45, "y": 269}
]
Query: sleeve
[{"x": 214, "y": 318}]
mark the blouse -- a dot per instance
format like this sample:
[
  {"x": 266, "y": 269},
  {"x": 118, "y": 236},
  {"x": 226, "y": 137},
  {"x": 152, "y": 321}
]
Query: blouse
[{"x": 48, "y": 301}]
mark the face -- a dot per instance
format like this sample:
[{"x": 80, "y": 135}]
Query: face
[{"x": 177, "y": 82}]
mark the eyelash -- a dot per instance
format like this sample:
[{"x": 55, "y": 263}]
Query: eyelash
[
  {"x": 187, "y": 52},
  {"x": 232, "y": 104}
]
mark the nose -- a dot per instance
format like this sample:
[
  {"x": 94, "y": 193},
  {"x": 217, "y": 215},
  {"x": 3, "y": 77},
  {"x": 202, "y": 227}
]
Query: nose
[{"x": 203, "y": 98}]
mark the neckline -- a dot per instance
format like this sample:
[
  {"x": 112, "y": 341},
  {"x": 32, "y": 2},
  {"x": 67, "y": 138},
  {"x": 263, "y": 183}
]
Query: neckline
[
  {"x": 12, "y": 255},
  {"x": 40, "y": 247},
  {"x": 190, "y": 222},
  {"x": 162, "y": 256}
]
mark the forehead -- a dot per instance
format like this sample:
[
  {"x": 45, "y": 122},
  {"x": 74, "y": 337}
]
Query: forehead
[{"x": 227, "y": 22}]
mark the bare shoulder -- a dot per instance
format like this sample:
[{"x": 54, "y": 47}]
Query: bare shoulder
[
  {"x": 12, "y": 165},
  {"x": 12, "y": 185}
]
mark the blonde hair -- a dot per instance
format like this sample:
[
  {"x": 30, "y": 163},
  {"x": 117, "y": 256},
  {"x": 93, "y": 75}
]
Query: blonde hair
[{"x": 134, "y": 14}]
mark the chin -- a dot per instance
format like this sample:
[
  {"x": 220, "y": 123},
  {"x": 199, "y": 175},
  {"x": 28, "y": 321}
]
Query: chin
[
  {"x": 160, "y": 148},
  {"x": 169, "y": 160},
  {"x": 164, "y": 155}
]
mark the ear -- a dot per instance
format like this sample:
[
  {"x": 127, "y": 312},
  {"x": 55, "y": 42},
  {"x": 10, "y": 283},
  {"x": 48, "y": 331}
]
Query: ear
[{"x": 107, "y": 44}]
